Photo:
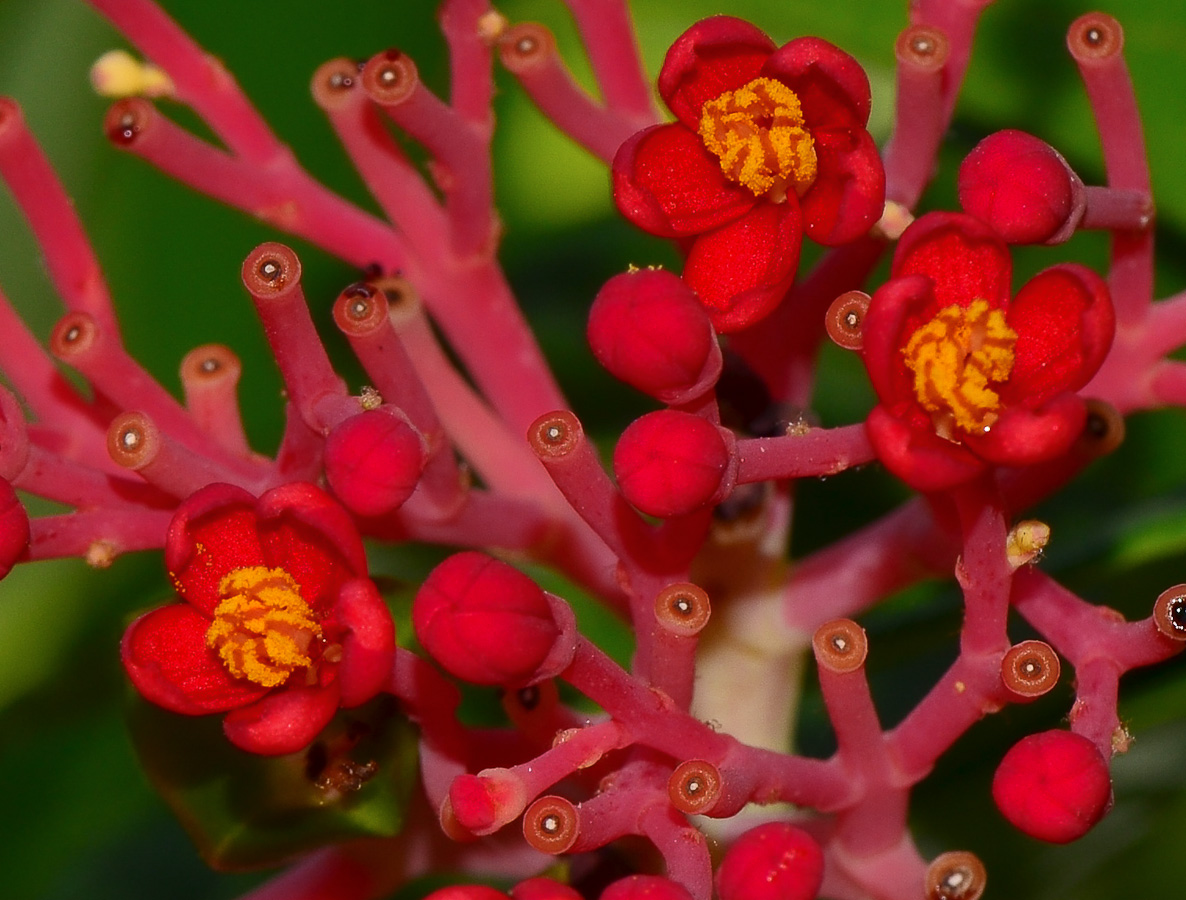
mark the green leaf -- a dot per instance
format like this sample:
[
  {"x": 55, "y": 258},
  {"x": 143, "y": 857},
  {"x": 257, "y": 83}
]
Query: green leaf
[{"x": 247, "y": 811}]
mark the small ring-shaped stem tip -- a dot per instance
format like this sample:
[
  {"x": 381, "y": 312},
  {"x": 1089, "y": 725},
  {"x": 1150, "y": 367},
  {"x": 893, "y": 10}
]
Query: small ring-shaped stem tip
[
  {"x": 694, "y": 786},
  {"x": 73, "y": 336},
  {"x": 845, "y": 317},
  {"x": 551, "y": 825},
  {"x": 555, "y": 434},
  {"x": 1103, "y": 430},
  {"x": 840, "y": 645},
  {"x": 525, "y": 45},
  {"x": 133, "y": 440},
  {"x": 360, "y": 309},
  {"x": 956, "y": 875},
  {"x": 271, "y": 271},
  {"x": 1030, "y": 669},
  {"x": 210, "y": 364},
  {"x": 333, "y": 82},
  {"x": 127, "y": 119},
  {"x": 923, "y": 47},
  {"x": 683, "y": 609},
  {"x": 1169, "y": 612},
  {"x": 1094, "y": 36},
  {"x": 390, "y": 77}
]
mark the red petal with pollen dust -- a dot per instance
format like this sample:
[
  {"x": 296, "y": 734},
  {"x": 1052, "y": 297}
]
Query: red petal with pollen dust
[
  {"x": 832, "y": 88},
  {"x": 848, "y": 195},
  {"x": 713, "y": 56},
  {"x": 285, "y": 721},
  {"x": 666, "y": 183},
  {"x": 961, "y": 255},
  {"x": 212, "y": 533},
  {"x": 1064, "y": 323},
  {"x": 165, "y": 655},
  {"x": 893, "y": 314},
  {"x": 919, "y": 457},
  {"x": 310, "y": 536},
  {"x": 368, "y": 646},
  {"x": 742, "y": 271}
]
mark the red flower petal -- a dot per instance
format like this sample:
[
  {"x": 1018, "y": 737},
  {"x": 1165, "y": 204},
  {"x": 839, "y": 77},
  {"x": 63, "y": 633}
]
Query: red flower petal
[
  {"x": 666, "y": 183},
  {"x": 1023, "y": 437},
  {"x": 919, "y": 457},
  {"x": 832, "y": 87},
  {"x": 961, "y": 255},
  {"x": 1064, "y": 323},
  {"x": 742, "y": 271},
  {"x": 894, "y": 312},
  {"x": 713, "y": 56},
  {"x": 14, "y": 528},
  {"x": 306, "y": 533},
  {"x": 368, "y": 646},
  {"x": 848, "y": 195},
  {"x": 165, "y": 655},
  {"x": 285, "y": 721},
  {"x": 212, "y": 533}
]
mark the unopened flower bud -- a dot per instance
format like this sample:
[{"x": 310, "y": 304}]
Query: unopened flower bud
[
  {"x": 14, "y": 528},
  {"x": 543, "y": 889},
  {"x": 1054, "y": 786},
  {"x": 648, "y": 329},
  {"x": 669, "y": 463},
  {"x": 466, "y": 892},
  {"x": 373, "y": 461},
  {"x": 1020, "y": 186},
  {"x": 776, "y": 861},
  {"x": 485, "y": 802},
  {"x": 645, "y": 887},
  {"x": 484, "y": 621}
]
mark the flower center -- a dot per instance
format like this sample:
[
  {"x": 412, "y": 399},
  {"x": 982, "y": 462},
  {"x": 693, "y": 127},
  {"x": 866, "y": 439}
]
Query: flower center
[
  {"x": 262, "y": 629},
  {"x": 954, "y": 358},
  {"x": 757, "y": 133}
]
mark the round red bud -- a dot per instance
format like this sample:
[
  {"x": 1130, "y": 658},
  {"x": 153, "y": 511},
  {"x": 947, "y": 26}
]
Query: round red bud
[
  {"x": 373, "y": 461},
  {"x": 1054, "y": 786},
  {"x": 645, "y": 887},
  {"x": 466, "y": 892},
  {"x": 1020, "y": 186},
  {"x": 543, "y": 889},
  {"x": 776, "y": 861},
  {"x": 669, "y": 463},
  {"x": 647, "y": 328},
  {"x": 14, "y": 528},
  {"x": 484, "y": 621},
  {"x": 485, "y": 802}
]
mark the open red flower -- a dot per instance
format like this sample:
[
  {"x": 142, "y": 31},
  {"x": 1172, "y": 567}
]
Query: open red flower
[
  {"x": 279, "y": 625},
  {"x": 966, "y": 376},
  {"x": 768, "y": 143}
]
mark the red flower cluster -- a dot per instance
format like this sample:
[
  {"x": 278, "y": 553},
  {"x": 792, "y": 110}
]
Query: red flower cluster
[
  {"x": 279, "y": 625},
  {"x": 770, "y": 142},
  {"x": 967, "y": 377}
]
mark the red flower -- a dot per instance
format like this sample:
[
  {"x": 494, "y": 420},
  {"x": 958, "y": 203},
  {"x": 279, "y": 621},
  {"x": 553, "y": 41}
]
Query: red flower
[
  {"x": 967, "y": 377},
  {"x": 280, "y": 625},
  {"x": 769, "y": 142}
]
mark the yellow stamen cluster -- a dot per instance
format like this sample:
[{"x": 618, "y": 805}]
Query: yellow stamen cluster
[
  {"x": 757, "y": 133},
  {"x": 262, "y": 629},
  {"x": 955, "y": 358}
]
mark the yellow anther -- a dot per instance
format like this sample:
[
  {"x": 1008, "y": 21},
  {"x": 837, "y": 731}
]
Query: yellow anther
[
  {"x": 955, "y": 358},
  {"x": 119, "y": 74},
  {"x": 757, "y": 133},
  {"x": 262, "y": 629}
]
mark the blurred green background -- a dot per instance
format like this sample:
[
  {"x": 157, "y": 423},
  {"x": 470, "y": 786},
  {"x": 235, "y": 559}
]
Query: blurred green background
[{"x": 82, "y": 820}]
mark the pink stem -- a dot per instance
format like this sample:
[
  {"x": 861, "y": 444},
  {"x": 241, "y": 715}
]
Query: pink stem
[
  {"x": 983, "y": 569},
  {"x": 107, "y": 532},
  {"x": 1117, "y": 209},
  {"x": 210, "y": 380},
  {"x": 199, "y": 79},
  {"x": 920, "y": 119},
  {"x": 69, "y": 257},
  {"x": 576, "y": 751},
  {"x": 608, "y": 36},
  {"x": 470, "y": 59},
  {"x": 280, "y": 193},
  {"x": 820, "y": 451},
  {"x": 683, "y": 847}
]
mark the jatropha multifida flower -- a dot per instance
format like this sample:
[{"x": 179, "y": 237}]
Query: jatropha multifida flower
[
  {"x": 968, "y": 376},
  {"x": 768, "y": 143},
  {"x": 279, "y": 625}
]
